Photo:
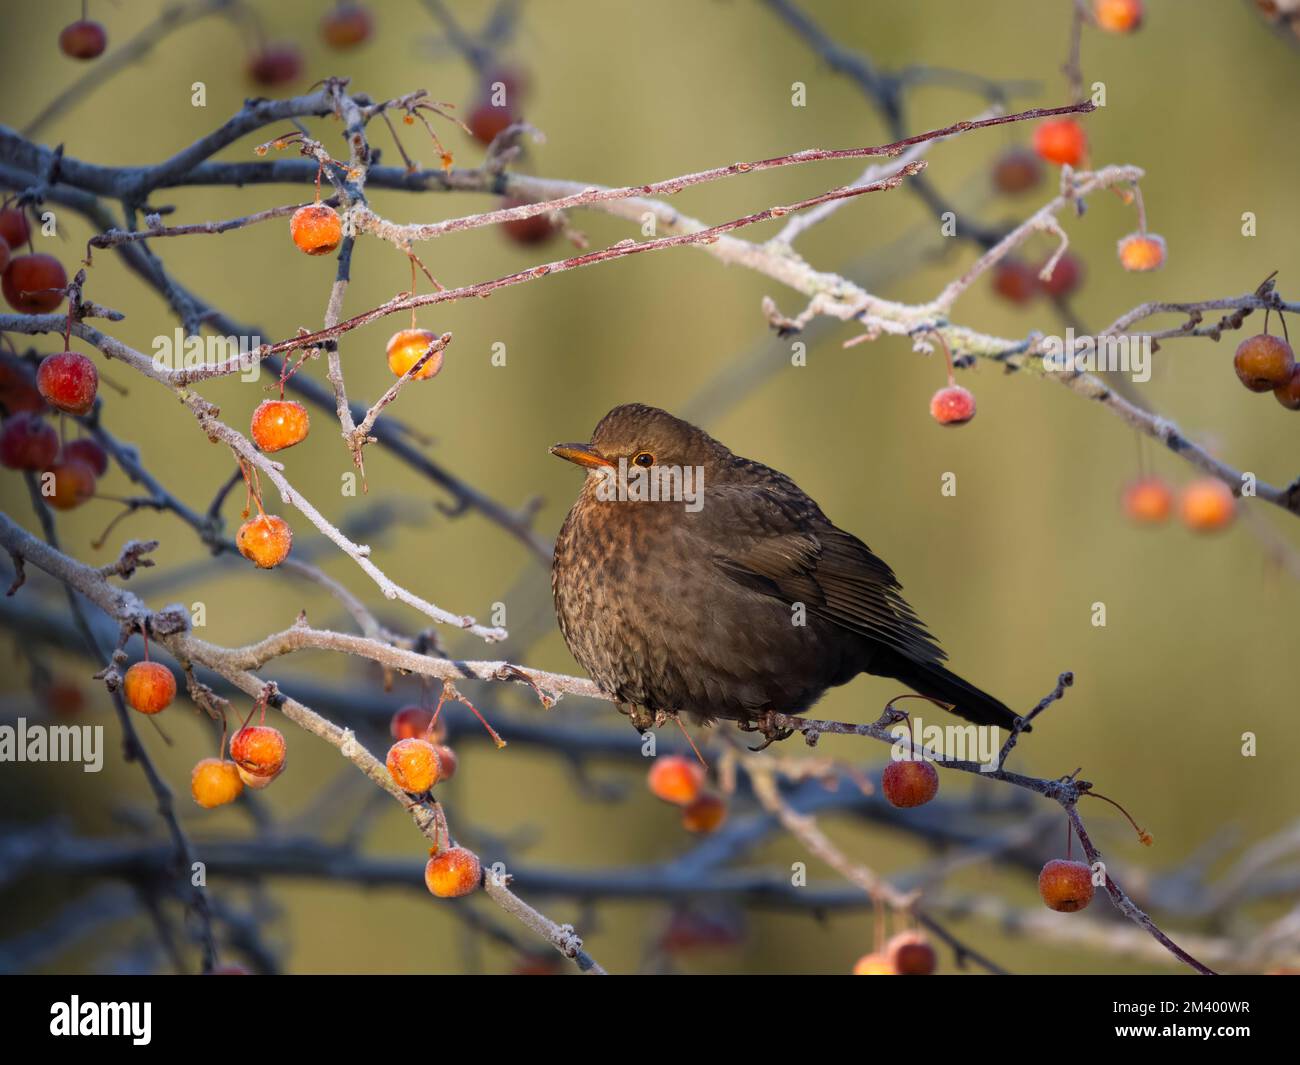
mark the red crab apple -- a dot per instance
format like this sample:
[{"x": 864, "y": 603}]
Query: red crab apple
[
  {"x": 68, "y": 381},
  {"x": 908, "y": 783},
  {"x": 34, "y": 284}
]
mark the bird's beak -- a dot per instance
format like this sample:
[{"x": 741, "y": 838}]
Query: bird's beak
[{"x": 582, "y": 454}]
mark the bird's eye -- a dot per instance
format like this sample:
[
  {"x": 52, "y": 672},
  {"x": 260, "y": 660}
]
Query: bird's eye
[{"x": 644, "y": 458}]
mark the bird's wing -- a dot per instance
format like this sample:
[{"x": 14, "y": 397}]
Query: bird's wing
[{"x": 784, "y": 547}]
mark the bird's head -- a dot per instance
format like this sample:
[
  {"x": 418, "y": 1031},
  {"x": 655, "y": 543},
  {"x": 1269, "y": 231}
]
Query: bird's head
[{"x": 643, "y": 436}]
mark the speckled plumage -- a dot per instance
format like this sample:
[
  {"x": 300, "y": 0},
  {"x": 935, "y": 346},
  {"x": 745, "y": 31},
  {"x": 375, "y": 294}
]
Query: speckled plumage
[{"x": 695, "y": 612}]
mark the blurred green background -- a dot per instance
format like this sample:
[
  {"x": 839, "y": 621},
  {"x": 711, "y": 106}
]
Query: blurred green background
[{"x": 1199, "y": 644}]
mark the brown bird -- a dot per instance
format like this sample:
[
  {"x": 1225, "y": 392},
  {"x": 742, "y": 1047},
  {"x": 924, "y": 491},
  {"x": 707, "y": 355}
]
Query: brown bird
[{"x": 736, "y": 598}]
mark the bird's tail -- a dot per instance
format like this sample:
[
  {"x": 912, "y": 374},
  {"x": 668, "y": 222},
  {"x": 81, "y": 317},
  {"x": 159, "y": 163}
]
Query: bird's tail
[{"x": 932, "y": 679}]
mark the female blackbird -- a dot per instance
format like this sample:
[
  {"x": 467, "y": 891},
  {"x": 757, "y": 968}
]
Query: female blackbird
[{"x": 735, "y": 598}]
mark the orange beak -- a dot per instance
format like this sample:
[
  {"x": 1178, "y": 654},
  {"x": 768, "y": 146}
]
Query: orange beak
[{"x": 581, "y": 454}]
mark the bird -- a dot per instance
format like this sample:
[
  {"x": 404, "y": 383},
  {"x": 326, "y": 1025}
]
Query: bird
[{"x": 734, "y": 598}]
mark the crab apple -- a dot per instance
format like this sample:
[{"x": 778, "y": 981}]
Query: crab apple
[
  {"x": 1117, "y": 16},
  {"x": 64, "y": 699},
  {"x": 676, "y": 779},
  {"x": 705, "y": 814},
  {"x": 265, "y": 540},
  {"x": 149, "y": 687},
  {"x": 407, "y": 347},
  {"x": 1065, "y": 886},
  {"x": 536, "y": 229},
  {"x": 4, "y": 255},
  {"x": 74, "y": 483},
  {"x": 1264, "y": 362},
  {"x": 910, "y": 954},
  {"x": 1017, "y": 170},
  {"x": 215, "y": 782},
  {"x": 514, "y": 82},
  {"x": 486, "y": 120},
  {"x": 1207, "y": 505},
  {"x": 453, "y": 873},
  {"x": 1139, "y": 252},
  {"x": 68, "y": 381},
  {"x": 278, "y": 424},
  {"x": 952, "y": 405},
  {"x": 83, "y": 39},
  {"x": 1148, "y": 501},
  {"x": 18, "y": 390},
  {"x": 414, "y": 765},
  {"x": 1066, "y": 276},
  {"x": 347, "y": 25},
  {"x": 909, "y": 783},
  {"x": 316, "y": 228},
  {"x": 411, "y": 723},
  {"x": 257, "y": 781},
  {"x": 1061, "y": 141},
  {"x": 874, "y": 964},
  {"x": 1015, "y": 281},
  {"x": 14, "y": 227},
  {"x": 447, "y": 760},
  {"x": 88, "y": 451},
  {"x": 28, "y": 442},
  {"x": 1288, "y": 394},
  {"x": 259, "y": 749},
  {"x": 275, "y": 64},
  {"x": 34, "y": 284}
]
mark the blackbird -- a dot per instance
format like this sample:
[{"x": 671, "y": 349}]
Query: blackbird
[{"x": 738, "y": 597}]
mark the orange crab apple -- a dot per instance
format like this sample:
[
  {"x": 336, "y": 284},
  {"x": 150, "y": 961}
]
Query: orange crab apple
[
  {"x": 1148, "y": 500},
  {"x": 406, "y": 347},
  {"x": 1207, "y": 505},
  {"x": 1065, "y": 886},
  {"x": 1264, "y": 362},
  {"x": 72, "y": 481},
  {"x": 1117, "y": 16},
  {"x": 1061, "y": 141},
  {"x": 414, "y": 765},
  {"x": 676, "y": 779},
  {"x": 258, "y": 749},
  {"x": 1140, "y": 252},
  {"x": 453, "y": 873},
  {"x": 149, "y": 687},
  {"x": 874, "y": 964},
  {"x": 1288, "y": 393},
  {"x": 706, "y": 814},
  {"x": 278, "y": 424},
  {"x": 265, "y": 540},
  {"x": 215, "y": 782},
  {"x": 316, "y": 229}
]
